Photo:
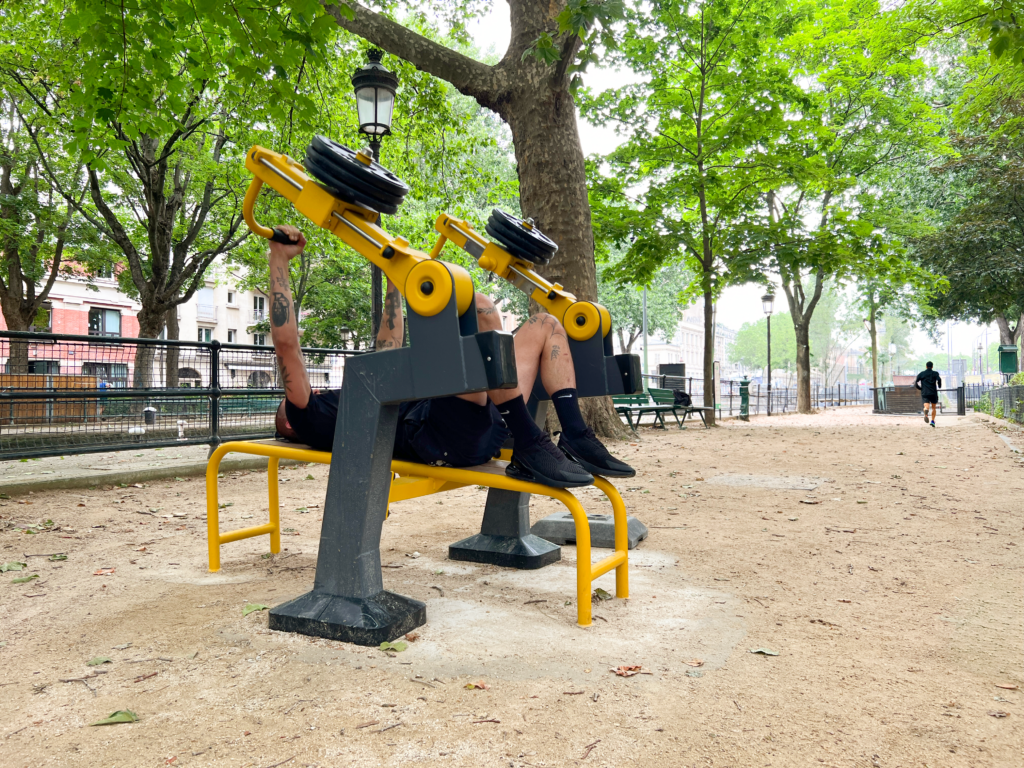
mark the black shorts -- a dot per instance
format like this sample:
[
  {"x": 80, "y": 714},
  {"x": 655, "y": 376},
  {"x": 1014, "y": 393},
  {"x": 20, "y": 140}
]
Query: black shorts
[
  {"x": 933, "y": 399},
  {"x": 449, "y": 431}
]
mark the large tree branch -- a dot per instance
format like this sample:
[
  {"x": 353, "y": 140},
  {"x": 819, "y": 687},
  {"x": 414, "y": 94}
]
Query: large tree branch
[
  {"x": 116, "y": 230},
  {"x": 471, "y": 77}
]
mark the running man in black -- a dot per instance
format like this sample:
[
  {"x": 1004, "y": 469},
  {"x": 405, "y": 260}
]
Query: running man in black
[
  {"x": 459, "y": 431},
  {"x": 929, "y": 381}
]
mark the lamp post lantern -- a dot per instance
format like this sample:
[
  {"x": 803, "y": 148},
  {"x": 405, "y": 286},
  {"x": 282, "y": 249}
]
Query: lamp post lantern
[
  {"x": 767, "y": 304},
  {"x": 893, "y": 360},
  {"x": 375, "y": 89}
]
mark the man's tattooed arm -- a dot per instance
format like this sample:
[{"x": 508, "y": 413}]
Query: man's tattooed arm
[
  {"x": 280, "y": 309},
  {"x": 392, "y": 328}
]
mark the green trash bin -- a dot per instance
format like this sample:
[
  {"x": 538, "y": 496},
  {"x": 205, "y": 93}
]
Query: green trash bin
[{"x": 1008, "y": 358}]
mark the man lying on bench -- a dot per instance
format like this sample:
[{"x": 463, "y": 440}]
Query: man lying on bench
[{"x": 460, "y": 431}]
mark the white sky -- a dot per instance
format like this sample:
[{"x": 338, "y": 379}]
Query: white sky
[{"x": 739, "y": 304}]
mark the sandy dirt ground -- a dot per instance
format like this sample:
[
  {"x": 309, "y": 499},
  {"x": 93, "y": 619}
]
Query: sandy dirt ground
[{"x": 879, "y": 559}]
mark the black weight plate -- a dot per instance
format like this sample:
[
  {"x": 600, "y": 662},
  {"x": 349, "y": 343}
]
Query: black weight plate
[
  {"x": 374, "y": 174},
  {"x": 345, "y": 192},
  {"x": 341, "y": 175},
  {"x": 514, "y": 248},
  {"x": 332, "y": 175},
  {"x": 511, "y": 238},
  {"x": 533, "y": 239}
]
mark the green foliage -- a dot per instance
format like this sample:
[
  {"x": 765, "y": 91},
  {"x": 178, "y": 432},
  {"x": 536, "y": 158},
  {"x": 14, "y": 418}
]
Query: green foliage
[
  {"x": 997, "y": 409},
  {"x": 750, "y": 349},
  {"x": 625, "y": 303},
  {"x": 985, "y": 403}
]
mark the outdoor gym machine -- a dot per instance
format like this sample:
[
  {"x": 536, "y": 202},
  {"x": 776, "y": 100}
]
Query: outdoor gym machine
[{"x": 447, "y": 355}]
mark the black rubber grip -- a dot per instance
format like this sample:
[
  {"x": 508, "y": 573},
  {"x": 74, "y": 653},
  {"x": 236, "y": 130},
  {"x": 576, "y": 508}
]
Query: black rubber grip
[{"x": 280, "y": 237}]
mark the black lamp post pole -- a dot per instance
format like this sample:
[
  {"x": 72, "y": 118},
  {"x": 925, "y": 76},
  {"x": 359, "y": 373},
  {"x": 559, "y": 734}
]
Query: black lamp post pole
[
  {"x": 376, "y": 275},
  {"x": 769, "y": 365}
]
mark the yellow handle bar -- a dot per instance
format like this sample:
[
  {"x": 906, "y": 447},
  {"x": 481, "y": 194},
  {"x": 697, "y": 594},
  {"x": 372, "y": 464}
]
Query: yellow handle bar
[
  {"x": 355, "y": 226},
  {"x": 581, "y": 319}
]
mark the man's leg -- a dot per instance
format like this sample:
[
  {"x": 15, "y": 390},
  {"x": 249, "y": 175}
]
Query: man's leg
[
  {"x": 542, "y": 349},
  {"x": 534, "y": 456}
]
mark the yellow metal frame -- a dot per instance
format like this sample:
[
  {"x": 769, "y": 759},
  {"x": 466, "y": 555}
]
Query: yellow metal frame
[
  {"x": 552, "y": 296},
  {"x": 354, "y": 225},
  {"x": 415, "y": 480}
]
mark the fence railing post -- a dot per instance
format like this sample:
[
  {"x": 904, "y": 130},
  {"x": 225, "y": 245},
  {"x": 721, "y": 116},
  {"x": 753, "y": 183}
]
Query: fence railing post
[{"x": 214, "y": 395}]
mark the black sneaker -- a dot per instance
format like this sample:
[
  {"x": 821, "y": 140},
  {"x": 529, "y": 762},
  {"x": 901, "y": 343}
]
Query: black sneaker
[
  {"x": 541, "y": 462},
  {"x": 593, "y": 456}
]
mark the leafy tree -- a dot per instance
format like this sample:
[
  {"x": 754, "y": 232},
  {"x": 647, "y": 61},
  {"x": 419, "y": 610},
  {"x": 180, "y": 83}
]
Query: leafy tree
[
  {"x": 712, "y": 94},
  {"x": 979, "y": 244},
  {"x": 865, "y": 111},
  {"x": 625, "y": 303},
  {"x": 750, "y": 349}
]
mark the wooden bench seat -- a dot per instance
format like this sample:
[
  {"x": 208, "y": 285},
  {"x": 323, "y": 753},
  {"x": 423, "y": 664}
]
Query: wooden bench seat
[{"x": 410, "y": 481}]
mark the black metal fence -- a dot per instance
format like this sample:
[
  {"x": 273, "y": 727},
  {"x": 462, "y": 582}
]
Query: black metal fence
[
  {"x": 783, "y": 399},
  {"x": 62, "y": 394},
  {"x": 1007, "y": 402}
]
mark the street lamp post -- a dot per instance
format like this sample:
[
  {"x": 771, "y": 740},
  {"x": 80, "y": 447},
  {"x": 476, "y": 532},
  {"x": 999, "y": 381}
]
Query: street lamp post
[
  {"x": 893, "y": 359},
  {"x": 375, "y": 89},
  {"x": 768, "y": 303}
]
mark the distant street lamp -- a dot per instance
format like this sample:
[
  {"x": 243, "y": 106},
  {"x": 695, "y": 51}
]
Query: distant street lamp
[
  {"x": 893, "y": 358},
  {"x": 346, "y": 334},
  {"x": 375, "y": 89},
  {"x": 767, "y": 304}
]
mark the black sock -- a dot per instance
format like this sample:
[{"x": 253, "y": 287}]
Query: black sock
[
  {"x": 567, "y": 405},
  {"x": 519, "y": 421}
]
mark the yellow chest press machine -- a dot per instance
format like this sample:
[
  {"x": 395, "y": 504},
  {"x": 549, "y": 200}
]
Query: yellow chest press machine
[{"x": 446, "y": 356}]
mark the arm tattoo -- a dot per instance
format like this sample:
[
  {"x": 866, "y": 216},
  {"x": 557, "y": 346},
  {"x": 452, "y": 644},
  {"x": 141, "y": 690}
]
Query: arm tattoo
[
  {"x": 384, "y": 344},
  {"x": 279, "y": 309},
  {"x": 392, "y": 304},
  {"x": 555, "y": 349},
  {"x": 485, "y": 311},
  {"x": 285, "y": 377}
]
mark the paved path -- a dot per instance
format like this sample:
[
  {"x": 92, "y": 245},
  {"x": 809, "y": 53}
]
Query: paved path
[{"x": 97, "y": 469}]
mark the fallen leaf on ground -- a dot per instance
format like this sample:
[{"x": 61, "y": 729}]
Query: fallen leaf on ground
[
  {"x": 694, "y": 663},
  {"x": 13, "y": 566},
  {"x": 601, "y": 594},
  {"x": 121, "y": 716},
  {"x": 253, "y": 607},
  {"x": 627, "y": 670},
  {"x": 805, "y": 501},
  {"x": 1006, "y": 687},
  {"x": 481, "y": 686},
  {"x": 998, "y": 713},
  {"x": 99, "y": 660},
  {"x": 398, "y": 646},
  {"x": 104, "y": 572},
  {"x": 413, "y": 555},
  {"x": 412, "y": 637},
  {"x": 57, "y": 558},
  {"x": 764, "y": 651},
  {"x": 25, "y": 579}
]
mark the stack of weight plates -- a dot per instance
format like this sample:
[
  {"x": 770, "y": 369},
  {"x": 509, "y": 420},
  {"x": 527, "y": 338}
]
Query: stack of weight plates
[
  {"x": 343, "y": 175},
  {"x": 519, "y": 239}
]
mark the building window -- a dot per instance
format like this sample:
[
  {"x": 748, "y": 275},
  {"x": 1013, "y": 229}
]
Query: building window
[
  {"x": 259, "y": 339},
  {"x": 38, "y": 366},
  {"x": 259, "y": 309},
  {"x": 113, "y": 374},
  {"x": 104, "y": 322},
  {"x": 105, "y": 272},
  {"x": 43, "y": 322},
  {"x": 231, "y": 298},
  {"x": 232, "y": 337},
  {"x": 206, "y": 335}
]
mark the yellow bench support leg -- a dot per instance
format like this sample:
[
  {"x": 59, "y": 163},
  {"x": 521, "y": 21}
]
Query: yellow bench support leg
[{"x": 275, "y": 504}]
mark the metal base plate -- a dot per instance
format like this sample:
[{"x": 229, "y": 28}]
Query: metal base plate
[
  {"x": 559, "y": 528},
  {"x": 362, "y": 621},
  {"x": 527, "y": 554}
]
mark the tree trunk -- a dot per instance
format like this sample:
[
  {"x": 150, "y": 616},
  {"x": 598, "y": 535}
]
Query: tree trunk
[
  {"x": 150, "y": 325},
  {"x": 172, "y": 352},
  {"x": 709, "y": 357},
  {"x": 18, "y": 358},
  {"x": 1009, "y": 335},
  {"x": 803, "y": 368}
]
